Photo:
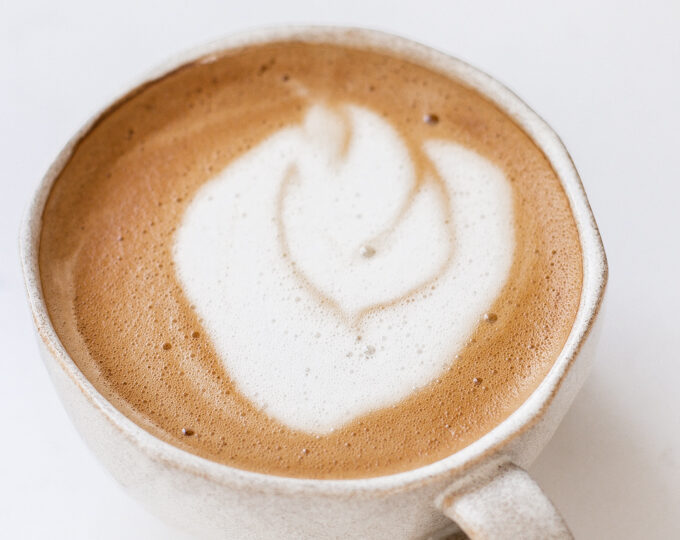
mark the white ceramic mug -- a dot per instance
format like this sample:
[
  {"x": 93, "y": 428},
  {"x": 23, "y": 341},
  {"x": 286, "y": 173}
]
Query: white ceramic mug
[{"x": 483, "y": 487}]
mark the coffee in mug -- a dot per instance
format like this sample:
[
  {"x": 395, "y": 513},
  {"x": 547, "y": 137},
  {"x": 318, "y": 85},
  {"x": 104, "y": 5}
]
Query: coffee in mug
[{"x": 311, "y": 260}]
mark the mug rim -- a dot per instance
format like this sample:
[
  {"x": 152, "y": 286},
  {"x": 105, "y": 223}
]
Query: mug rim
[{"x": 595, "y": 269}]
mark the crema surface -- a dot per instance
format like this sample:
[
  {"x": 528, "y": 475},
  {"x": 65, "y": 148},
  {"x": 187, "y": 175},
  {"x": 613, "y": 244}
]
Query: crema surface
[{"x": 311, "y": 260}]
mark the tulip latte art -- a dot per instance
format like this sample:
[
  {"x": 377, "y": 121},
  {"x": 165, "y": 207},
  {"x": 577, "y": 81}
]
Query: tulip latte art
[
  {"x": 352, "y": 332},
  {"x": 311, "y": 260}
]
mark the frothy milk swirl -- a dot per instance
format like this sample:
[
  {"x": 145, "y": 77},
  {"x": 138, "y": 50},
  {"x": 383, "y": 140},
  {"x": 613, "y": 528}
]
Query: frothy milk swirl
[{"x": 334, "y": 275}]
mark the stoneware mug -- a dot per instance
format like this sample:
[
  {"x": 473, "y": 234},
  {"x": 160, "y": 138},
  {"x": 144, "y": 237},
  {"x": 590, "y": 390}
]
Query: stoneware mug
[{"x": 483, "y": 488}]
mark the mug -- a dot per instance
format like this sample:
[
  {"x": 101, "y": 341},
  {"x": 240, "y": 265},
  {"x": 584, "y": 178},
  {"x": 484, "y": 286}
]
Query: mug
[{"x": 483, "y": 488}]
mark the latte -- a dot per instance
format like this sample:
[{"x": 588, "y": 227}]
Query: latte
[{"x": 311, "y": 260}]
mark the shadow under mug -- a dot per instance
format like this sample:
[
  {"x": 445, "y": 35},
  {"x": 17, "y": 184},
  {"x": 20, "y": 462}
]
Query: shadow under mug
[{"x": 483, "y": 488}]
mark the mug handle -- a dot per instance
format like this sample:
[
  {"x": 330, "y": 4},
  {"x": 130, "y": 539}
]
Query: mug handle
[{"x": 502, "y": 501}]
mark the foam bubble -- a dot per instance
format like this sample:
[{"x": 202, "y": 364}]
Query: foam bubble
[{"x": 324, "y": 230}]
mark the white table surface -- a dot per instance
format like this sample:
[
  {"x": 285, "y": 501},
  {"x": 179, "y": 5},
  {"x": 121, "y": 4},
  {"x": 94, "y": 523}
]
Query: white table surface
[{"x": 605, "y": 75}]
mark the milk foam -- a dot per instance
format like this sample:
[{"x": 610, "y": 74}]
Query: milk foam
[{"x": 332, "y": 281}]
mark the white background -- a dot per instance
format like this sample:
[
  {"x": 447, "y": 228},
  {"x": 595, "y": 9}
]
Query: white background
[{"x": 605, "y": 75}]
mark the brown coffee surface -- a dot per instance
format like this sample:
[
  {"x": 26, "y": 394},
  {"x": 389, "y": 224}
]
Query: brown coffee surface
[{"x": 113, "y": 297}]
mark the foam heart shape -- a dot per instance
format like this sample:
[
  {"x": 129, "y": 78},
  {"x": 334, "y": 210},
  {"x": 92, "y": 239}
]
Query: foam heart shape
[{"x": 333, "y": 281}]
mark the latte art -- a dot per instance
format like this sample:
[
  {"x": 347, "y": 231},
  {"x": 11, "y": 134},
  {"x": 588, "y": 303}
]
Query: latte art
[{"x": 330, "y": 277}]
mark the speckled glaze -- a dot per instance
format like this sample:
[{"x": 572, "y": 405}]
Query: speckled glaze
[{"x": 482, "y": 487}]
